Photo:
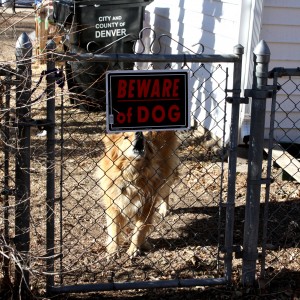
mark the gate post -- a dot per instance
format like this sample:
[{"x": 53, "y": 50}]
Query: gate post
[
  {"x": 51, "y": 71},
  {"x": 259, "y": 94},
  {"x": 22, "y": 172},
  {"x": 234, "y": 132}
]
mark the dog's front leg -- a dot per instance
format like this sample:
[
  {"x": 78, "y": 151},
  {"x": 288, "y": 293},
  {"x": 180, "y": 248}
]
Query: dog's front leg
[
  {"x": 163, "y": 200},
  {"x": 163, "y": 206},
  {"x": 140, "y": 234},
  {"x": 114, "y": 223},
  {"x": 136, "y": 241}
]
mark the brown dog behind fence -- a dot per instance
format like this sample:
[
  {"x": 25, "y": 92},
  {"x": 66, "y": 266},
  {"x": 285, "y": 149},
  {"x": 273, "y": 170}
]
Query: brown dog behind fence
[{"x": 136, "y": 174}]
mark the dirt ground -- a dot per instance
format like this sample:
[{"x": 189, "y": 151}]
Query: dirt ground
[{"x": 187, "y": 244}]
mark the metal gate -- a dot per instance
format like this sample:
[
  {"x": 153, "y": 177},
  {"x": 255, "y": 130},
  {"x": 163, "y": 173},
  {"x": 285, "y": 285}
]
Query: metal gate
[{"x": 191, "y": 246}]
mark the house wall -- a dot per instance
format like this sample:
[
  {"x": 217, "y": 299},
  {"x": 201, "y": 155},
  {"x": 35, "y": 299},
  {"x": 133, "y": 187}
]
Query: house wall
[
  {"x": 212, "y": 23},
  {"x": 221, "y": 24},
  {"x": 280, "y": 29}
]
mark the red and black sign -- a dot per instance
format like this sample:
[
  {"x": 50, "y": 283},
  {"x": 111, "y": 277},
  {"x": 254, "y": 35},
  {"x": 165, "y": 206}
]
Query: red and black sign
[{"x": 147, "y": 100}]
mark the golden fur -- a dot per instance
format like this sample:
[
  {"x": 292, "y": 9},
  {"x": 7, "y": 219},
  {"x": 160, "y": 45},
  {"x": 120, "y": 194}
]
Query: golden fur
[{"x": 135, "y": 185}]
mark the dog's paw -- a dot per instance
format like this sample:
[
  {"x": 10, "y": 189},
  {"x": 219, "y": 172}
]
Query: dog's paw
[
  {"x": 133, "y": 251},
  {"x": 113, "y": 250},
  {"x": 112, "y": 256},
  {"x": 146, "y": 246},
  {"x": 163, "y": 209}
]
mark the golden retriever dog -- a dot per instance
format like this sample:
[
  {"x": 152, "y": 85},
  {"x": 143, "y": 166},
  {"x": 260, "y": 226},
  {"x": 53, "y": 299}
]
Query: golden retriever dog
[{"x": 136, "y": 174}]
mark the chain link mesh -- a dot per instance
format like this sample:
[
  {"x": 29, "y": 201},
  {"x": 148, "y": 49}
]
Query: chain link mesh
[
  {"x": 185, "y": 243},
  {"x": 282, "y": 256}
]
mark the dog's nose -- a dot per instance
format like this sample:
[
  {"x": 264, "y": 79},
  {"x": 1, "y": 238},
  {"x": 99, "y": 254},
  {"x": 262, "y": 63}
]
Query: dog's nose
[{"x": 138, "y": 147}]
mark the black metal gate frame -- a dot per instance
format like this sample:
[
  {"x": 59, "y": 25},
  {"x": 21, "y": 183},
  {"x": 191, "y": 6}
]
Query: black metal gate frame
[{"x": 235, "y": 100}]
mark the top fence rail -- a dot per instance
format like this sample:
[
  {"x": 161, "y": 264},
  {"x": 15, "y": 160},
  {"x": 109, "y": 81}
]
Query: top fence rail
[{"x": 127, "y": 57}]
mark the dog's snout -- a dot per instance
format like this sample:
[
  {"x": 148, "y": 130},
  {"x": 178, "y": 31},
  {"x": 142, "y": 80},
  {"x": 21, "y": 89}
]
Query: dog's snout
[{"x": 138, "y": 146}]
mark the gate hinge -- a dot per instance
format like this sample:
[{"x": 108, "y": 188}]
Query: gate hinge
[
  {"x": 242, "y": 100},
  {"x": 41, "y": 124},
  {"x": 267, "y": 180},
  {"x": 8, "y": 192},
  {"x": 236, "y": 249},
  {"x": 262, "y": 181},
  {"x": 239, "y": 253},
  {"x": 238, "y": 99},
  {"x": 265, "y": 92}
]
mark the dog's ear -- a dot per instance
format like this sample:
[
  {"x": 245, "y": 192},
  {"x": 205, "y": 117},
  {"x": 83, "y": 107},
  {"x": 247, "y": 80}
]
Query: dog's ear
[
  {"x": 165, "y": 139},
  {"x": 149, "y": 135},
  {"x": 109, "y": 141},
  {"x": 111, "y": 149}
]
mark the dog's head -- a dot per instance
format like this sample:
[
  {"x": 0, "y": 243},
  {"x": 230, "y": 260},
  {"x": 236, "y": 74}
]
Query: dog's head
[{"x": 128, "y": 145}]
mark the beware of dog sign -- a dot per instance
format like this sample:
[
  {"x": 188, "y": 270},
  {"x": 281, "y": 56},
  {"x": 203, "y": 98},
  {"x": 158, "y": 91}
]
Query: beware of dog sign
[{"x": 147, "y": 100}]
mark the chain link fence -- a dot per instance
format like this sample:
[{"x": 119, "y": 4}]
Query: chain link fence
[
  {"x": 189, "y": 243},
  {"x": 281, "y": 234},
  {"x": 185, "y": 243}
]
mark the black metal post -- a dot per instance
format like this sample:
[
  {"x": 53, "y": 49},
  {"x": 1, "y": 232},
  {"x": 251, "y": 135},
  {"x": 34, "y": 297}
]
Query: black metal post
[
  {"x": 6, "y": 192},
  {"x": 257, "y": 128},
  {"x": 50, "y": 162},
  {"x": 22, "y": 197},
  {"x": 234, "y": 135}
]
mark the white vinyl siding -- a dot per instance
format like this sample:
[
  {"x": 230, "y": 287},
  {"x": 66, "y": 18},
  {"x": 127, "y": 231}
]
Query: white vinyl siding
[
  {"x": 281, "y": 31},
  {"x": 214, "y": 24},
  {"x": 221, "y": 24}
]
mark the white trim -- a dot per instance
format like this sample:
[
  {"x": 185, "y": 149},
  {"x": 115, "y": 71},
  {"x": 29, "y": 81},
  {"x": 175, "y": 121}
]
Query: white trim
[{"x": 249, "y": 36}]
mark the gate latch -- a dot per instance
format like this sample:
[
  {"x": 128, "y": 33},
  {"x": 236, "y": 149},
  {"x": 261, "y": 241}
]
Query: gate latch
[
  {"x": 265, "y": 91},
  {"x": 41, "y": 124},
  {"x": 237, "y": 249},
  {"x": 242, "y": 100}
]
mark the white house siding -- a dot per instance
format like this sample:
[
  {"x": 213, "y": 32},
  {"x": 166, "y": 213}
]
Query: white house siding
[
  {"x": 281, "y": 30},
  {"x": 221, "y": 24},
  {"x": 213, "y": 23},
  {"x": 249, "y": 37}
]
